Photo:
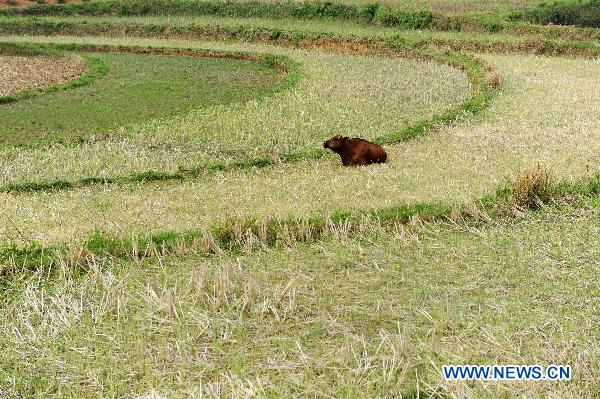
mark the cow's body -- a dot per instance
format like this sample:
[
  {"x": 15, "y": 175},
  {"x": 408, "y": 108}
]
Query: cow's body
[{"x": 355, "y": 151}]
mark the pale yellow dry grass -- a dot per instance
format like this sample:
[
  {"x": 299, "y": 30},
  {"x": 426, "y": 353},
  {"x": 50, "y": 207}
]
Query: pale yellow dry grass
[
  {"x": 548, "y": 111},
  {"x": 368, "y": 316}
]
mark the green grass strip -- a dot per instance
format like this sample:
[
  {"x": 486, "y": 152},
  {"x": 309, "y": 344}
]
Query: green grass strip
[
  {"x": 233, "y": 236},
  {"x": 96, "y": 70},
  {"x": 369, "y": 13},
  {"x": 567, "y": 42}
]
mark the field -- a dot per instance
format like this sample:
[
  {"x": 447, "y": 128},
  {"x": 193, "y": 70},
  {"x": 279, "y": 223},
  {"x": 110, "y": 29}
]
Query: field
[
  {"x": 170, "y": 225},
  {"x": 130, "y": 95},
  {"x": 366, "y": 315}
]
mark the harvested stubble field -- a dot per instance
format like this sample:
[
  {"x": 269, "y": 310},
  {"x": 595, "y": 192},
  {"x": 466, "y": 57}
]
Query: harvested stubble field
[
  {"x": 202, "y": 245},
  {"x": 352, "y": 316},
  {"x": 22, "y": 73}
]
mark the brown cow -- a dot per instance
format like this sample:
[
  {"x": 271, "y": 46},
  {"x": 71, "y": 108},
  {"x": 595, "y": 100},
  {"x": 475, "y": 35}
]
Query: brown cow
[{"x": 356, "y": 151}]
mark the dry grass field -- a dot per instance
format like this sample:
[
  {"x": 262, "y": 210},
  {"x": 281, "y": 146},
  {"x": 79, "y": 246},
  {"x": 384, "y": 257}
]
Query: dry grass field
[{"x": 170, "y": 225}]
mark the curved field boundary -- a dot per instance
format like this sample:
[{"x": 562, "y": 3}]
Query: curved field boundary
[
  {"x": 283, "y": 65},
  {"x": 252, "y": 234},
  {"x": 515, "y": 22},
  {"x": 480, "y": 76},
  {"x": 96, "y": 70},
  {"x": 281, "y": 62}
]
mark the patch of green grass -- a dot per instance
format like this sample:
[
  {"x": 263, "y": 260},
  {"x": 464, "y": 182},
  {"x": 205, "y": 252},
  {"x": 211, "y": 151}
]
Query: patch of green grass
[
  {"x": 136, "y": 89},
  {"x": 186, "y": 26},
  {"x": 398, "y": 14},
  {"x": 406, "y": 19},
  {"x": 510, "y": 18}
]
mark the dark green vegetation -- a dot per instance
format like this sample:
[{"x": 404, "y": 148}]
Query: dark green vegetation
[
  {"x": 371, "y": 13},
  {"x": 567, "y": 12},
  {"x": 138, "y": 87},
  {"x": 582, "y": 13}
]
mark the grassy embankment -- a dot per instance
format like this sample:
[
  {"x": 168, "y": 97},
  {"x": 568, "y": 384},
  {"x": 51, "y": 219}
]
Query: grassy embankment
[{"x": 517, "y": 17}]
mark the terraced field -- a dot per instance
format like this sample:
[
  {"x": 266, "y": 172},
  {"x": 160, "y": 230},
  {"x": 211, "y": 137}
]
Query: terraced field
[
  {"x": 329, "y": 98},
  {"x": 170, "y": 225},
  {"x": 131, "y": 95}
]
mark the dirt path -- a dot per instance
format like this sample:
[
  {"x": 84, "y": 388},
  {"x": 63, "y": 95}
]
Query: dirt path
[{"x": 21, "y": 73}]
